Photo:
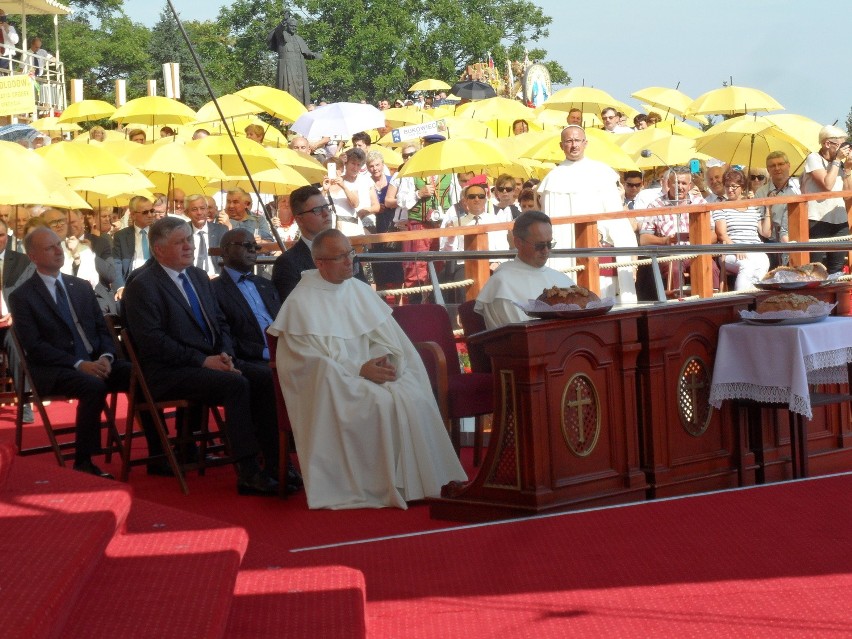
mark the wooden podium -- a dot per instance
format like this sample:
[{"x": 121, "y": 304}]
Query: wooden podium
[{"x": 565, "y": 432}]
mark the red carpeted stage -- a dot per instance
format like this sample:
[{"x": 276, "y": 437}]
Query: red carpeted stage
[{"x": 768, "y": 561}]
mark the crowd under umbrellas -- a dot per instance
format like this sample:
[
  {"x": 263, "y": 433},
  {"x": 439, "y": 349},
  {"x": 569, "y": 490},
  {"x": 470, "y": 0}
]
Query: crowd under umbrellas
[{"x": 479, "y": 127}]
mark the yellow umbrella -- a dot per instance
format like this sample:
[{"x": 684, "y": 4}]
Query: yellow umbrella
[
  {"x": 804, "y": 130},
  {"x": 86, "y": 111},
  {"x": 633, "y": 143},
  {"x": 733, "y": 101},
  {"x": 391, "y": 157},
  {"x": 278, "y": 181},
  {"x": 748, "y": 140},
  {"x": 601, "y": 147},
  {"x": 154, "y": 110},
  {"x": 27, "y": 178},
  {"x": 671, "y": 150},
  {"x": 494, "y": 108},
  {"x": 277, "y": 103},
  {"x": 120, "y": 147},
  {"x": 677, "y": 128},
  {"x": 401, "y": 116},
  {"x": 232, "y": 105},
  {"x": 108, "y": 187},
  {"x": 304, "y": 164},
  {"x": 52, "y": 125},
  {"x": 584, "y": 98},
  {"x": 429, "y": 84},
  {"x": 221, "y": 151},
  {"x": 175, "y": 165},
  {"x": 76, "y": 160},
  {"x": 456, "y": 156},
  {"x": 558, "y": 118},
  {"x": 669, "y": 100}
]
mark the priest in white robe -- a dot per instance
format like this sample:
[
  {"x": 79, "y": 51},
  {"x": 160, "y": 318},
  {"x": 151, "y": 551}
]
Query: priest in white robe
[
  {"x": 525, "y": 277},
  {"x": 580, "y": 186},
  {"x": 366, "y": 424}
]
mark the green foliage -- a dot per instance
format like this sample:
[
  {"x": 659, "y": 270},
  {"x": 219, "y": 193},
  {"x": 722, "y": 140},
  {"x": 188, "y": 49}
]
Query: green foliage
[{"x": 849, "y": 123}]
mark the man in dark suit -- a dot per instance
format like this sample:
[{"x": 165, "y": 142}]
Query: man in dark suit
[
  {"x": 131, "y": 246},
  {"x": 185, "y": 350},
  {"x": 313, "y": 214},
  {"x": 66, "y": 341},
  {"x": 206, "y": 235},
  {"x": 250, "y": 304}
]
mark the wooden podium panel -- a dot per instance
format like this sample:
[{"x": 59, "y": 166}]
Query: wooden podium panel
[
  {"x": 686, "y": 445},
  {"x": 564, "y": 433}
]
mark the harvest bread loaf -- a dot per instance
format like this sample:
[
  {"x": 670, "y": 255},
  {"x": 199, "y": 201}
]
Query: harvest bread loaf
[
  {"x": 571, "y": 295},
  {"x": 806, "y": 273},
  {"x": 786, "y": 302}
]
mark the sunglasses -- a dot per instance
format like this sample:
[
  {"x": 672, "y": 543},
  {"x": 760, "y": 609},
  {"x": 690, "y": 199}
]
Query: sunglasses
[
  {"x": 476, "y": 196},
  {"x": 406, "y": 156},
  {"x": 759, "y": 178},
  {"x": 633, "y": 184},
  {"x": 539, "y": 246},
  {"x": 249, "y": 246},
  {"x": 505, "y": 189}
]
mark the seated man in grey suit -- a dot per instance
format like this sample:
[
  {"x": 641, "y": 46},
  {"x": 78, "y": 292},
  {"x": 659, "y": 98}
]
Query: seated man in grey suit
[
  {"x": 185, "y": 350},
  {"x": 250, "y": 304},
  {"x": 313, "y": 214},
  {"x": 66, "y": 341},
  {"x": 131, "y": 246},
  {"x": 205, "y": 234}
]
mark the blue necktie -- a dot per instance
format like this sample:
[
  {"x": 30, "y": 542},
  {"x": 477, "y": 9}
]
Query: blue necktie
[
  {"x": 64, "y": 309},
  {"x": 146, "y": 249},
  {"x": 195, "y": 304}
]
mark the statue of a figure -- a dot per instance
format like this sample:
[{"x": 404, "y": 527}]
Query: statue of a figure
[{"x": 292, "y": 52}]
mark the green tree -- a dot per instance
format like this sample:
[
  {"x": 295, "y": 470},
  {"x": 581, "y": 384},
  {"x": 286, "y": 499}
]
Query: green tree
[
  {"x": 849, "y": 123},
  {"x": 376, "y": 48}
]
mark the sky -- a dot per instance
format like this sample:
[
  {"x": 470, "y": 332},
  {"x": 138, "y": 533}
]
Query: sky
[{"x": 778, "y": 46}]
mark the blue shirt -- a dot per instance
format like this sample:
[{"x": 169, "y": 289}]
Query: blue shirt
[{"x": 255, "y": 302}]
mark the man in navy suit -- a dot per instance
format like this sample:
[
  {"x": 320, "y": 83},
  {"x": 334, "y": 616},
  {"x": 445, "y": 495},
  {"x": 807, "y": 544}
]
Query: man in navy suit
[
  {"x": 131, "y": 246},
  {"x": 313, "y": 214},
  {"x": 185, "y": 349},
  {"x": 66, "y": 341},
  {"x": 250, "y": 304},
  {"x": 205, "y": 235}
]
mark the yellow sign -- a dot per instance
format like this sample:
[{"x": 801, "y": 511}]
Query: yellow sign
[{"x": 16, "y": 95}]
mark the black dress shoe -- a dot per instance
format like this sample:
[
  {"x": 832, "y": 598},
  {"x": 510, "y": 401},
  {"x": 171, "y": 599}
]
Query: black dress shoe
[
  {"x": 160, "y": 469},
  {"x": 293, "y": 477},
  {"x": 89, "y": 468},
  {"x": 257, "y": 484}
]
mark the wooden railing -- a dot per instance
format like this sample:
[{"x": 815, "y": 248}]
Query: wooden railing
[{"x": 586, "y": 237}]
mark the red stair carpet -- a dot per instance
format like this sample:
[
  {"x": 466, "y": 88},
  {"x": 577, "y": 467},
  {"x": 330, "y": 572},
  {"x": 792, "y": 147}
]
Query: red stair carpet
[{"x": 770, "y": 561}]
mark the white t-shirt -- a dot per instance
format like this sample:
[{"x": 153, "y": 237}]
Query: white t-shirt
[{"x": 831, "y": 210}]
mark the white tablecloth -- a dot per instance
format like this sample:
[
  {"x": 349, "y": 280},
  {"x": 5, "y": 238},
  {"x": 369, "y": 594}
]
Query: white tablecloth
[{"x": 775, "y": 364}]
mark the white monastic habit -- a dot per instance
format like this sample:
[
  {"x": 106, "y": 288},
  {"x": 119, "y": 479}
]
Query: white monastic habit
[
  {"x": 361, "y": 444},
  {"x": 583, "y": 187},
  {"x": 515, "y": 281}
]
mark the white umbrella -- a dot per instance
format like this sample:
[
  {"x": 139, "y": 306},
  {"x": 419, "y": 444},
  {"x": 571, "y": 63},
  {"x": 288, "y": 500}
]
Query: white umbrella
[{"x": 338, "y": 120}]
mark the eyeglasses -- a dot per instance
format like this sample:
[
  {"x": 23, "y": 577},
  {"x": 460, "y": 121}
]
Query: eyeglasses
[
  {"x": 759, "y": 178},
  {"x": 317, "y": 210},
  {"x": 610, "y": 117},
  {"x": 635, "y": 185},
  {"x": 475, "y": 196},
  {"x": 733, "y": 186},
  {"x": 350, "y": 254},
  {"x": 539, "y": 246},
  {"x": 249, "y": 246},
  {"x": 57, "y": 223},
  {"x": 150, "y": 211},
  {"x": 505, "y": 189},
  {"x": 405, "y": 156}
]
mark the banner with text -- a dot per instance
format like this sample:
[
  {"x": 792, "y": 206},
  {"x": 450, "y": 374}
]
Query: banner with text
[
  {"x": 16, "y": 95},
  {"x": 438, "y": 127}
]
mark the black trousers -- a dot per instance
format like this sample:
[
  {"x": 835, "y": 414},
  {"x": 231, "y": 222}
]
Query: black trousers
[{"x": 833, "y": 261}]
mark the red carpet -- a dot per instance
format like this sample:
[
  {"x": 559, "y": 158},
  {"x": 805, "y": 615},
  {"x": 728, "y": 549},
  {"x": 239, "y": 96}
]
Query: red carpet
[{"x": 766, "y": 562}]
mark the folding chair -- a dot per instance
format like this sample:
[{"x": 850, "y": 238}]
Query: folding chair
[
  {"x": 140, "y": 400},
  {"x": 26, "y": 392}
]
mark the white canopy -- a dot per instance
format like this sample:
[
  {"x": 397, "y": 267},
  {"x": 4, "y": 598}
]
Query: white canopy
[{"x": 34, "y": 7}]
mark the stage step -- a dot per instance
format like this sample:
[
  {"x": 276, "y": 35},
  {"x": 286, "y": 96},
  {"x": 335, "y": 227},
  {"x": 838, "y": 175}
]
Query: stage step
[
  {"x": 54, "y": 527},
  {"x": 170, "y": 574},
  {"x": 328, "y": 602}
]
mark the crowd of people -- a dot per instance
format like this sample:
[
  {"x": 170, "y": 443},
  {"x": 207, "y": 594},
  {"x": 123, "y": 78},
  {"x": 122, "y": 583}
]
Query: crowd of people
[{"x": 366, "y": 425}]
